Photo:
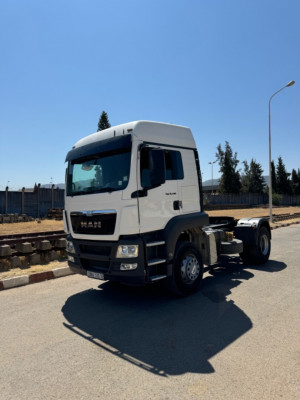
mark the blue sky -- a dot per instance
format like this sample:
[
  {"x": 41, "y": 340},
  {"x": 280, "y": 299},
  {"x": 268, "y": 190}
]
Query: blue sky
[{"x": 211, "y": 65}]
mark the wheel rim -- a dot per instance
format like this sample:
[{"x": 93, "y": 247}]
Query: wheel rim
[
  {"x": 190, "y": 269},
  {"x": 264, "y": 244}
]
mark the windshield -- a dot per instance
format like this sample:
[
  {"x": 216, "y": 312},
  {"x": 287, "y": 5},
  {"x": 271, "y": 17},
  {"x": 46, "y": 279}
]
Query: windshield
[{"x": 100, "y": 173}]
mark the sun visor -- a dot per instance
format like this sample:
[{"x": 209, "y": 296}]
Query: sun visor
[{"x": 103, "y": 146}]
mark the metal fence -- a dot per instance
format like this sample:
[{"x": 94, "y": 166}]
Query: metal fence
[
  {"x": 248, "y": 199},
  {"x": 35, "y": 203}
]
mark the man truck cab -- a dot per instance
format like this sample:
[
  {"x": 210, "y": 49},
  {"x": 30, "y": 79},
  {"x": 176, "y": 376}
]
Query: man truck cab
[{"x": 133, "y": 208}]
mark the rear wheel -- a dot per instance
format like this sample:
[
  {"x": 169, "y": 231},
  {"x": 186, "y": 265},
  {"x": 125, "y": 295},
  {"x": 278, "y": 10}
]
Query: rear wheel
[
  {"x": 263, "y": 248},
  {"x": 259, "y": 253},
  {"x": 187, "y": 270}
]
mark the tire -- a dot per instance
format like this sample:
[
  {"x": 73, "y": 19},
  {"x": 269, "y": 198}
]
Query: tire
[
  {"x": 259, "y": 253},
  {"x": 187, "y": 270},
  {"x": 245, "y": 256}
]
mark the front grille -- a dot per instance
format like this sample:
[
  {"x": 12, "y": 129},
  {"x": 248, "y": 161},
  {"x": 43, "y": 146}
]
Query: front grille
[
  {"x": 94, "y": 255},
  {"x": 95, "y": 249},
  {"x": 94, "y": 222},
  {"x": 95, "y": 264}
]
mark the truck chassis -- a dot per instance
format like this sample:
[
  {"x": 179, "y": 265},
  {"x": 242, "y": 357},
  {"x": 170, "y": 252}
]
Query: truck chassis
[{"x": 177, "y": 257}]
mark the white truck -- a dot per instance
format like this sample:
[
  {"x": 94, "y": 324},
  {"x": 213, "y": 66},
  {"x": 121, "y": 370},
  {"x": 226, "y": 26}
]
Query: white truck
[{"x": 134, "y": 210}]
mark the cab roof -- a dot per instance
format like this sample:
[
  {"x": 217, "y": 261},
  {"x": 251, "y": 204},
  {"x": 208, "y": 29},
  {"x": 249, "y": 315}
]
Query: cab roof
[{"x": 146, "y": 131}]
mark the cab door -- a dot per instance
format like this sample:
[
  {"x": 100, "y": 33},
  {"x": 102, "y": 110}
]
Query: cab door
[{"x": 159, "y": 197}]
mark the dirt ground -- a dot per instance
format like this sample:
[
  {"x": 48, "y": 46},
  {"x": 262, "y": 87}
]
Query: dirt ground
[
  {"x": 53, "y": 225},
  {"x": 256, "y": 212},
  {"x": 45, "y": 225}
]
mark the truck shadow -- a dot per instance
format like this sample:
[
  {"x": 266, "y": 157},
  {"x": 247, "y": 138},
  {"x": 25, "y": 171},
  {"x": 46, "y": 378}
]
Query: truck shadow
[{"x": 159, "y": 333}]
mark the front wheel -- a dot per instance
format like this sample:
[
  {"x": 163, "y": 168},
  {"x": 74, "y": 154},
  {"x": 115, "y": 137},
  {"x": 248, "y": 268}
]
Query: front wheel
[{"x": 187, "y": 270}]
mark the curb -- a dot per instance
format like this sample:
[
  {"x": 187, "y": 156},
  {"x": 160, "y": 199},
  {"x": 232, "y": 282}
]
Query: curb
[
  {"x": 285, "y": 225},
  {"x": 23, "y": 280}
]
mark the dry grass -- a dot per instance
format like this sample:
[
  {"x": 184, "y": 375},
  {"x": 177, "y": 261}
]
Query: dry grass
[
  {"x": 45, "y": 225},
  {"x": 254, "y": 212}
]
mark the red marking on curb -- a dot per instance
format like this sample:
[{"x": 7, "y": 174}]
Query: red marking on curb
[{"x": 42, "y": 276}]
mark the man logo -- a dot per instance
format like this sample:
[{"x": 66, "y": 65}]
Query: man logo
[{"x": 90, "y": 224}]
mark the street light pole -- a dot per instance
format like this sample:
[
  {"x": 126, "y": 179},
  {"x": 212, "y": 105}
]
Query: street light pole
[
  {"x": 212, "y": 175},
  {"x": 270, "y": 157}
]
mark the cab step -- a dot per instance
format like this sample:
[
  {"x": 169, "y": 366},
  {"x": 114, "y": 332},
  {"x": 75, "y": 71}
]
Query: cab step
[
  {"x": 157, "y": 243},
  {"x": 156, "y": 261},
  {"x": 155, "y": 278}
]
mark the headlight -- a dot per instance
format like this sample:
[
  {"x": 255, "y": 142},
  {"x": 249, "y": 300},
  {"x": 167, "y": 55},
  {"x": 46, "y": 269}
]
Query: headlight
[
  {"x": 128, "y": 251},
  {"x": 70, "y": 247}
]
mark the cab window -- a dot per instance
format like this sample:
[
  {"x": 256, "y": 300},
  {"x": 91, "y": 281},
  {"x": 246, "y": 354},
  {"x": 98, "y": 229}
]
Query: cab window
[{"x": 173, "y": 166}]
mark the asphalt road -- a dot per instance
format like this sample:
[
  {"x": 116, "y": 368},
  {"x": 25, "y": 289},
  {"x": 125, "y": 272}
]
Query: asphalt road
[{"x": 237, "y": 338}]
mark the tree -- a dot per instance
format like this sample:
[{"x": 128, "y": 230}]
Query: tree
[
  {"x": 274, "y": 180},
  {"x": 245, "y": 179},
  {"x": 296, "y": 181},
  {"x": 103, "y": 122},
  {"x": 230, "y": 181},
  {"x": 282, "y": 178},
  {"x": 257, "y": 184},
  {"x": 252, "y": 179}
]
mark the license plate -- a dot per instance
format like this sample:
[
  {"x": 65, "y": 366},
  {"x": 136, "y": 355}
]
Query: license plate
[{"x": 95, "y": 275}]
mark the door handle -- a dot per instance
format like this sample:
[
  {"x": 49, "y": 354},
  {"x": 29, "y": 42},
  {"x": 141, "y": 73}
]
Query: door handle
[{"x": 177, "y": 204}]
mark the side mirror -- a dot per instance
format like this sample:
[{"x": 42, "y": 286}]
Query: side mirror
[{"x": 157, "y": 167}]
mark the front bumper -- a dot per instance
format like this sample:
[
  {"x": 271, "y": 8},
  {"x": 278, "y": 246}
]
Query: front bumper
[{"x": 100, "y": 256}]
